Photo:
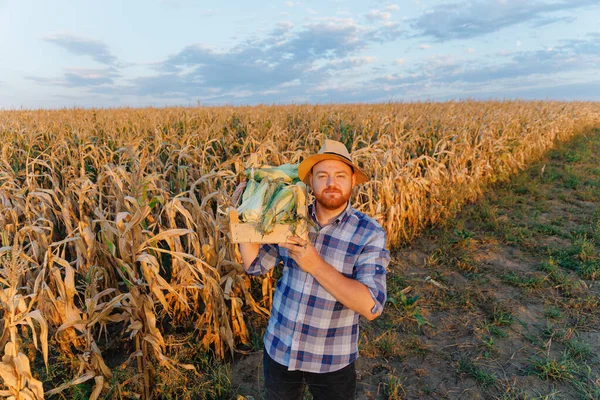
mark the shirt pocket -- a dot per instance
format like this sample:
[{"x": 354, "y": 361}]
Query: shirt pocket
[{"x": 342, "y": 261}]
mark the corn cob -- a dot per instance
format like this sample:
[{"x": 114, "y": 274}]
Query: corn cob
[
  {"x": 286, "y": 172},
  {"x": 251, "y": 208},
  {"x": 281, "y": 208},
  {"x": 250, "y": 189}
]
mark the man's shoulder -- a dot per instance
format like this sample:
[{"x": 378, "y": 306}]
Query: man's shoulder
[{"x": 367, "y": 221}]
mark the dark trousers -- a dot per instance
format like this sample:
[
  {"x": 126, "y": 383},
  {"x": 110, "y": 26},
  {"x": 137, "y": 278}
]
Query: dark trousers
[{"x": 282, "y": 384}]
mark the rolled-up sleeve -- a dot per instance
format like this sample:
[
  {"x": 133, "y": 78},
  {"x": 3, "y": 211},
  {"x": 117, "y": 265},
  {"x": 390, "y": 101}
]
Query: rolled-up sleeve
[
  {"x": 268, "y": 257},
  {"x": 371, "y": 268}
]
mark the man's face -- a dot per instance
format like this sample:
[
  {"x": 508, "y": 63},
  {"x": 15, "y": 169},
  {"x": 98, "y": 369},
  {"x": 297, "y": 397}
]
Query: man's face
[{"x": 332, "y": 183}]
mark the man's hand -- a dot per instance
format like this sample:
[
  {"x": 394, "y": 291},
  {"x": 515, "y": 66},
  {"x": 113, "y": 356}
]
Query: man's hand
[
  {"x": 303, "y": 252},
  {"x": 350, "y": 292}
]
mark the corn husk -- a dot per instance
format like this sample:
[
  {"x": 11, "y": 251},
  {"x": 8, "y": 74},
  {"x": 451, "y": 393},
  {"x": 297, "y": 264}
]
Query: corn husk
[
  {"x": 251, "y": 208},
  {"x": 286, "y": 172},
  {"x": 281, "y": 207}
]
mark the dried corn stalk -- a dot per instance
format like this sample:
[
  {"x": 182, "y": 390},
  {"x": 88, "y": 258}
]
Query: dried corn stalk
[{"x": 119, "y": 216}]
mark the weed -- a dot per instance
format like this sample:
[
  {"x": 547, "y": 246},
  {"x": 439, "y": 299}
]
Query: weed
[
  {"x": 578, "y": 350},
  {"x": 409, "y": 304},
  {"x": 551, "y": 175},
  {"x": 393, "y": 388},
  {"x": 487, "y": 214},
  {"x": 400, "y": 299},
  {"x": 588, "y": 386},
  {"x": 463, "y": 236},
  {"x": 489, "y": 346},
  {"x": 590, "y": 270},
  {"x": 212, "y": 382},
  {"x": 517, "y": 235},
  {"x": 571, "y": 181},
  {"x": 530, "y": 282},
  {"x": 558, "y": 277},
  {"x": 573, "y": 156},
  {"x": 551, "y": 332},
  {"x": 416, "y": 346},
  {"x": 584, "y": 249},
  {"x": 256, "y": 338},
  {"x": 387, "y": 344},
  {"x": 421, "y": 320},
  {"x": 483, "y": 378},
  {"x": 396, "y": 282},
  {"x": 497, "y": 331},
  {"x": 503, "y": 318},
  {"x": 551, "y": 369},
  {"x": 552, "y": 313},
  {"x": 547, "y": 229}
]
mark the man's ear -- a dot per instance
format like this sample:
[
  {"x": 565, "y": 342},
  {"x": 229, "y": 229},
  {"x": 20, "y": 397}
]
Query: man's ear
[{"x": 353, "y": 179}]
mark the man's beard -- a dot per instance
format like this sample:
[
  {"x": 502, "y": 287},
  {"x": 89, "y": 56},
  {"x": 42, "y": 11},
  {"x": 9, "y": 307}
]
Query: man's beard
[{"x": 332, "y": 203}]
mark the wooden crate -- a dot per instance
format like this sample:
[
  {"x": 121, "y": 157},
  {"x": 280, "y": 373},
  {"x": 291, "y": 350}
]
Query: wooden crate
[{"x": 247, "y": 232}]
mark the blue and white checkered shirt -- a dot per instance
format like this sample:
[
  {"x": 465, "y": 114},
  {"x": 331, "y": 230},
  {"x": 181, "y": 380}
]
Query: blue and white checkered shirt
[{"x": 309, "y": 330}]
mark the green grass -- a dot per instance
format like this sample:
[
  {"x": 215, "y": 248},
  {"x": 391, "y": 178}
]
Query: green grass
[
  {"x": 210, "y": 381},
  {"x": 393, "y": 388},
  {"x": 522, "y": 214},
  {"x": 515, "y": 279},
  {"x": 483, "y": 378},
  {"x": 552, "y": 369},
  {"x": 553, "y": 313},
  {"x": 578, "y": 350}
]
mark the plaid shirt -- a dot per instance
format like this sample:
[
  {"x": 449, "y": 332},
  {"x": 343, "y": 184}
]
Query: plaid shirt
[{"x": 309, "y": 330}]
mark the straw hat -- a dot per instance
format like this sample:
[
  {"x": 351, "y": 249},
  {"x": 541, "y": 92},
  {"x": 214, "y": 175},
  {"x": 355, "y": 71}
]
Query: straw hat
[{"x": 331, "y": 150}]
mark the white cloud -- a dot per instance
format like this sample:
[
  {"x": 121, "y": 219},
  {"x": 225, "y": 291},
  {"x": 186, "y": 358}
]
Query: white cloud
[
  {"x": 392, "y": 77},
  {"x": 87, "y": 73},
  {"x": 425, "y": 46},
  {"x": 470, "y": 50},
  {"x": 80, "y": 78},
  {"x": 393, "y": 7},
  {"x": 362, "y": 60},
  {"x": 335, "y": 24},
  {"x": 374, "y": 15},
  {"x": 293, "y": 83},
  {"x": 285, "y": 25},
  {"x": 399, "y": 61},
  {"x": 269, "y": 92},
  {"x": 518, "y": 43},
  {"x": 442, "y": 60},
  {"x": 82, "y": 46},
  {"x": 473, "y": 18},
  {"x": 341, "y": 64}
]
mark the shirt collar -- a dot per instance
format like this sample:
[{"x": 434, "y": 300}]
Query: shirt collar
[{"x": 340, "y": 218}]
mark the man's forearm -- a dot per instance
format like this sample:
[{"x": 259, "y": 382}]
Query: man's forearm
[
  {"x": 249, "y": 252},
  {"x": 350, "y": 292}
]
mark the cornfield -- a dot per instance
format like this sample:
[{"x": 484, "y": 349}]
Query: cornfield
[{"x": 114, "y": 221}]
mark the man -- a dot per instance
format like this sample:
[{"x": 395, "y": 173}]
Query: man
[{"x": 326, "y": 283}]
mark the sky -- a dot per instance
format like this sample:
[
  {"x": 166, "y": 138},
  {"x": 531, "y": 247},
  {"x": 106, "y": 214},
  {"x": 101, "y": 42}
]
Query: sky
[{"x": 133, "y": 53}]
